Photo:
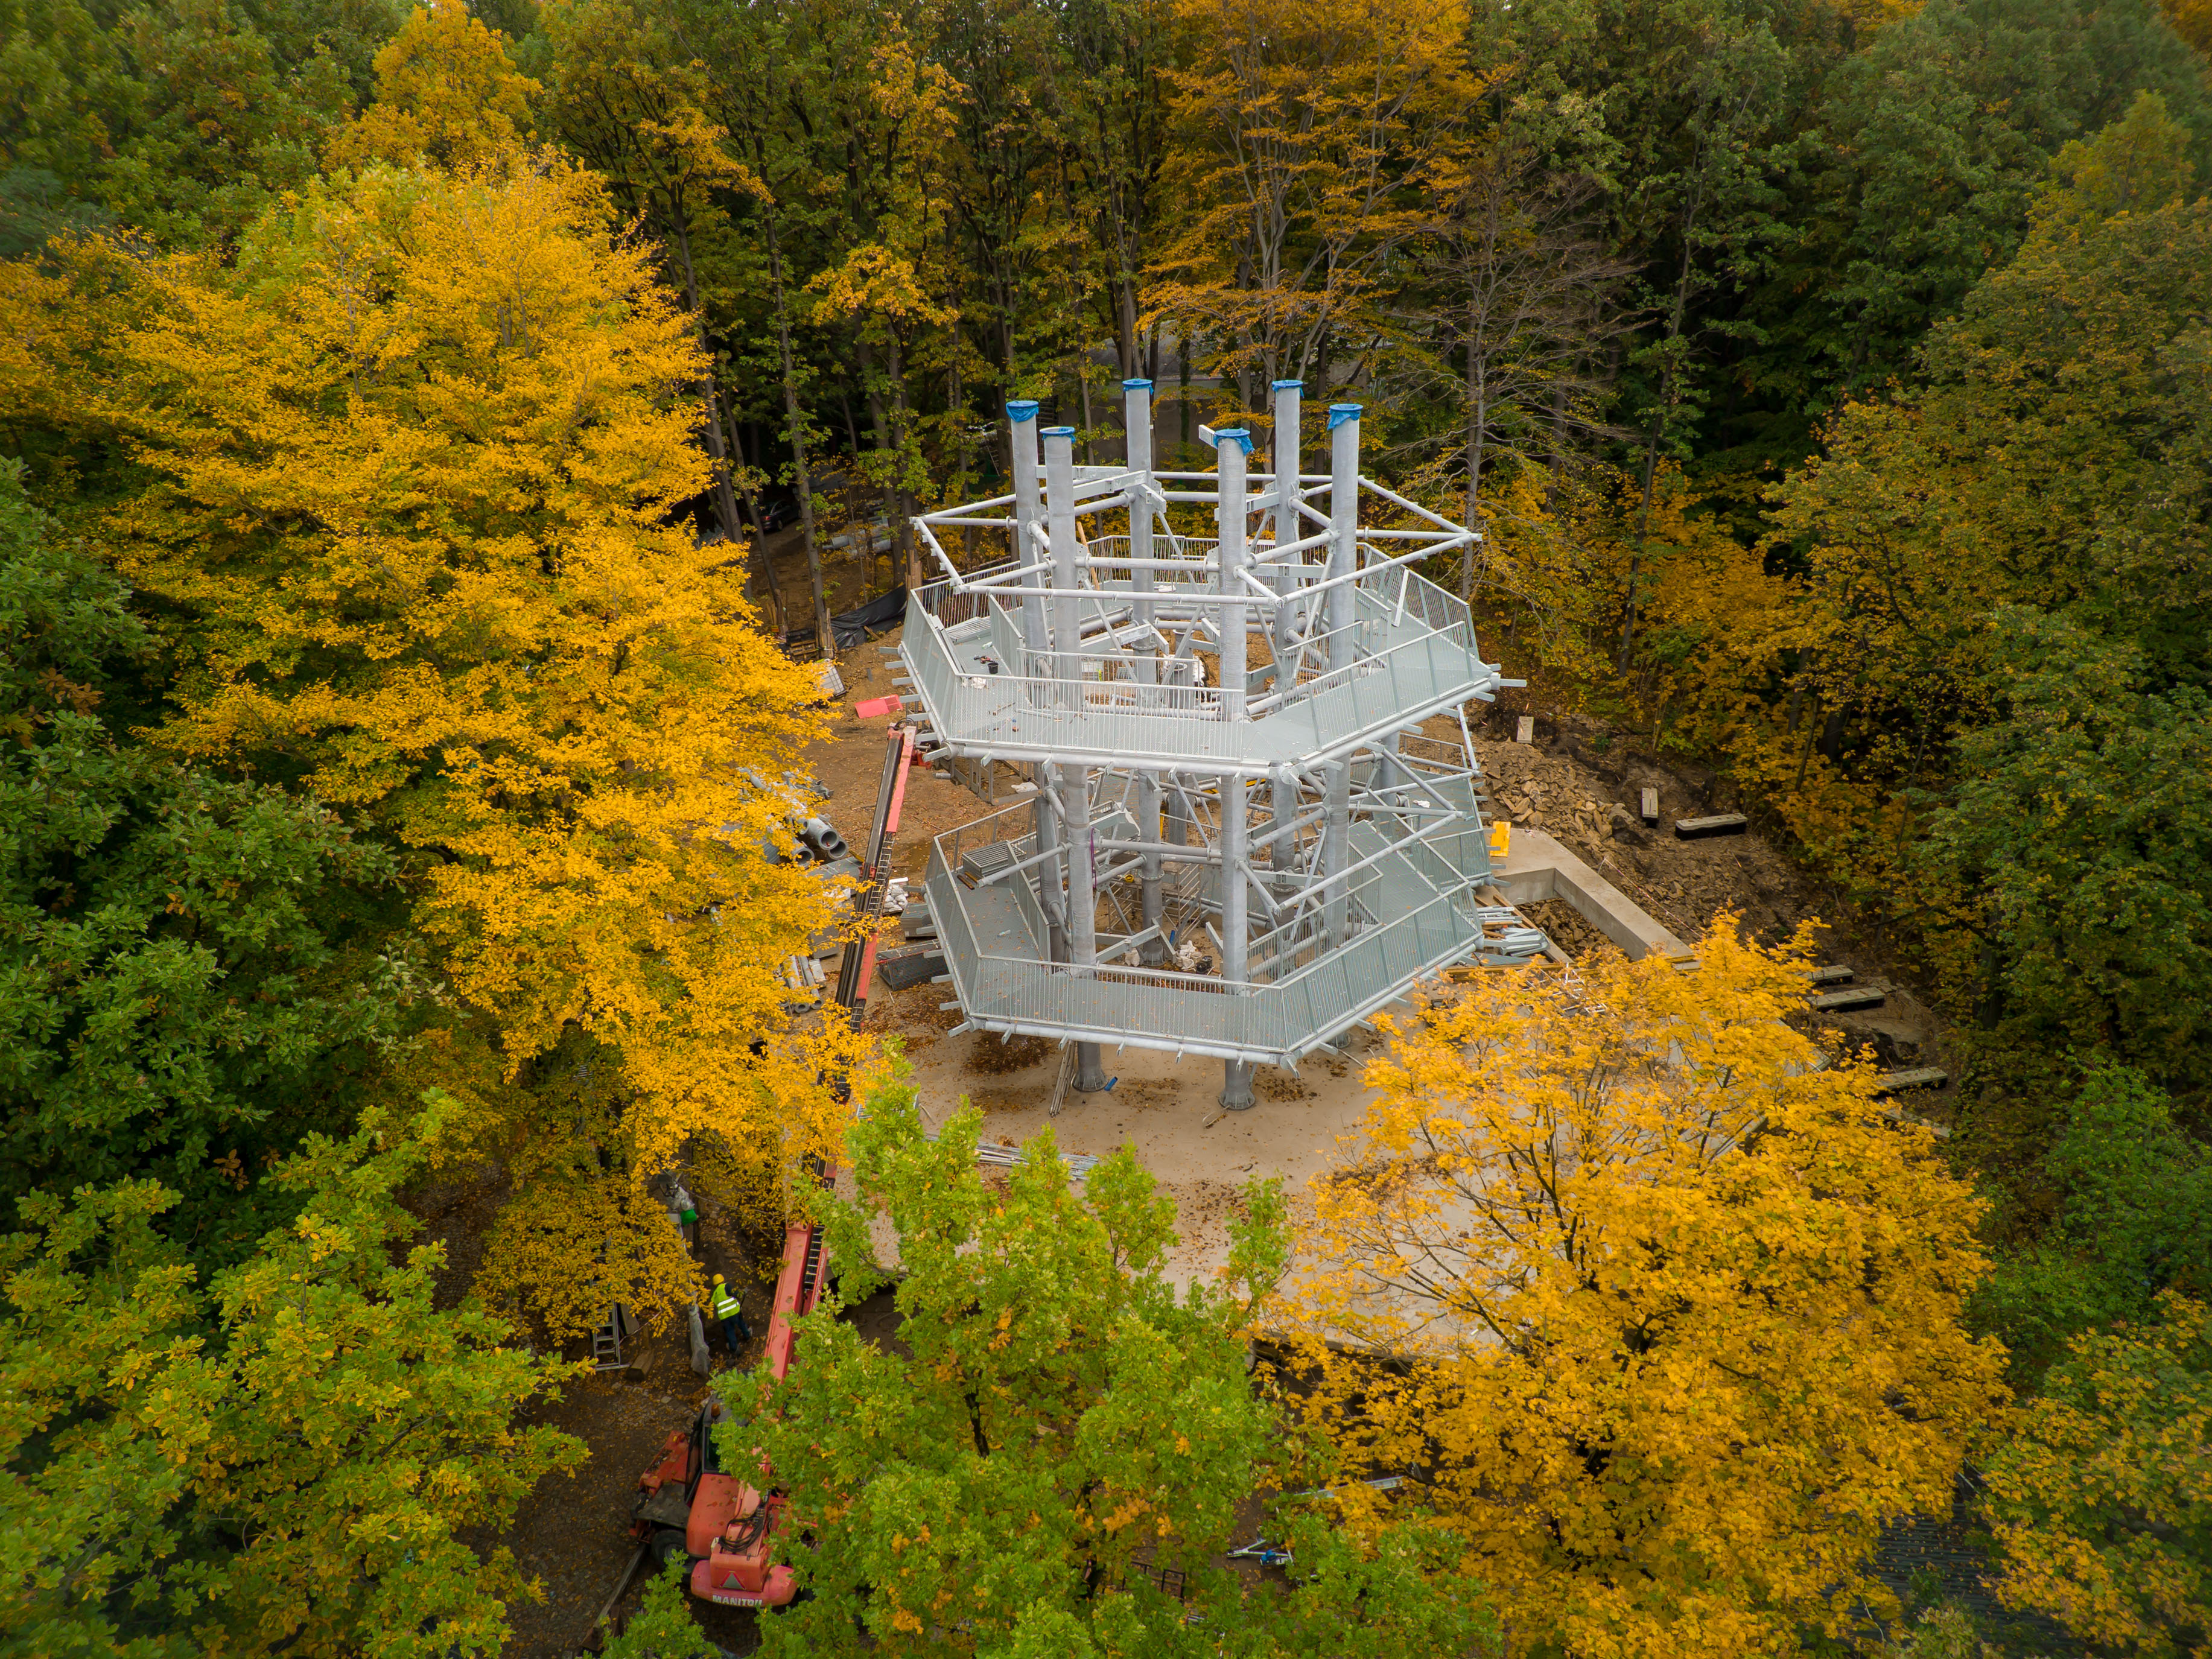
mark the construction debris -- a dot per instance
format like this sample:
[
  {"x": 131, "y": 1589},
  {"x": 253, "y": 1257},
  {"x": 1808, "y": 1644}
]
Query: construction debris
[
  {"x": 1922, "y": 1077},
  {"x": 902, "y": 969}
]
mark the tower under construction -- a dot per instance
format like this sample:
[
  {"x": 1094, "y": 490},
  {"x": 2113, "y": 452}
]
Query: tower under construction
[{"x": 1251, "y": 812}]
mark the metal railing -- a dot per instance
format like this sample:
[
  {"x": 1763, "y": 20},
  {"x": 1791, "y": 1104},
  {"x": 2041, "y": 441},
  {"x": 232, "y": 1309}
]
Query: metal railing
[
  {"x": 1424, "y": 658},
  {"x": 1019, "y": 991}
]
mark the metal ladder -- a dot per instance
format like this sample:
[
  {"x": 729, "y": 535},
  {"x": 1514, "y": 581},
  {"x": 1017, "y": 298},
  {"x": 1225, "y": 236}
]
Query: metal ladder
[{"x": 606, "y": 1345}]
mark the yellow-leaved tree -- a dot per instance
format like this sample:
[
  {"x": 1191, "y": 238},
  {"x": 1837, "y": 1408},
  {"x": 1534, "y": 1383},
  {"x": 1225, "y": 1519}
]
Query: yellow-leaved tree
[
  {"x": 1662, "y": 1315},
  {"x": 410, "y": 468},
  {"x": 1307, "y": 134},
  {"x": 447, "y": 94}
]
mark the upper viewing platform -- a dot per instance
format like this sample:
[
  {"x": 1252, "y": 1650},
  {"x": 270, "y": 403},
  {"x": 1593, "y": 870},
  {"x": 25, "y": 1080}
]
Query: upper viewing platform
[
  {"x": 1243, "y": 837},
  {"x": 1109, "y": 638}
]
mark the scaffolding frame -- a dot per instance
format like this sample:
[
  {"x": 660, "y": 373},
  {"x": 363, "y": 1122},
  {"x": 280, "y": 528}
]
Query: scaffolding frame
[{"x": 1232, "y": 730}]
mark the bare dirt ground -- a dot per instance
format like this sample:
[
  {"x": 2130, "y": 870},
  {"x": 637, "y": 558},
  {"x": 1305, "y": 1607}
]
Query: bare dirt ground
[
  {"x": 1577, "y": 782},
  {"x": 848, "y": 762},
  {"x": 1570, "y": 782},
  {"x": 570, "y": 1535}
]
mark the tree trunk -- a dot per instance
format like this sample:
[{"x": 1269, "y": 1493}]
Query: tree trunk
[
  {"x": 1083, "y": 387},
  {"x": 726, "y": 501},
  {"x": 801, "y": 480},
  {"x": 956, "y": 404},
  {"x": 878, "y": 427},
  {"x": 1183, "y": 378},
  {"x": 1477, "y": 428},
  {"x": 903, "y": 502},
  {"x": 1668, "y": 378},
  {"x": 1558, "y": 448},
  {"x": 763, "y": 564}
]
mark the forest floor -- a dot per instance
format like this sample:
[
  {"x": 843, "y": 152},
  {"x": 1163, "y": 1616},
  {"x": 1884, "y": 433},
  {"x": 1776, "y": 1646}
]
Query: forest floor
[{"x": 571, "y": 1534}]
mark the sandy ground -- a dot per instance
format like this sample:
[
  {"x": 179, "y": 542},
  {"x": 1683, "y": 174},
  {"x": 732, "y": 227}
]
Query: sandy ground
[
  {"x": 1568, "y": 784},
  {"x": 1162, "y": 1107},
  {"x": 849, "y": 764}
]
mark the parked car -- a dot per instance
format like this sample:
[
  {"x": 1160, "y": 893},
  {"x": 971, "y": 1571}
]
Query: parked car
[{"x": 779, "y": 507}]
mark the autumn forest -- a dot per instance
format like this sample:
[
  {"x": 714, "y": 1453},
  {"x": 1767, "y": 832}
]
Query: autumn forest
[{"x": 434, "y": 443}]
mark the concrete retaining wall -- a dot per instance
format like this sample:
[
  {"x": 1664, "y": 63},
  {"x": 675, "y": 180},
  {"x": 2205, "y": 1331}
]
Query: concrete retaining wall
[{"x": 1539, "y": 868}]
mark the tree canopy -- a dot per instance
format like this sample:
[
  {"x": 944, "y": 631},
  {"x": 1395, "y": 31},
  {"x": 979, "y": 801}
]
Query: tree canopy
[
  {"x": 1062, "y": 1442},
  {"x": 1666, "y": 1311},
  {"x": 430, "y": 437},
  {"x": 283, "y": 1459}
]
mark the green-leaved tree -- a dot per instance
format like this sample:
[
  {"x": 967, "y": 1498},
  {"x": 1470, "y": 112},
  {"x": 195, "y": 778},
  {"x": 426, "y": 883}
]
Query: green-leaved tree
[
  {"x": 1058, "y": 1439},
  {"x": 194, "y": 972},
  {"x": 287, "y": 1460}
]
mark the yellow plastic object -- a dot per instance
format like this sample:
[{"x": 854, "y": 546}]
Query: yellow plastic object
[{"x": 1501, "y": 839}]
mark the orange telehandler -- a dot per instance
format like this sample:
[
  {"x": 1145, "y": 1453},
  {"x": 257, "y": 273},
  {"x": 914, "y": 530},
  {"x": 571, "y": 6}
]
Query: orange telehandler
[
  {"x": 725, "y": 1520},
  {"x": 687, "y": 1503}
]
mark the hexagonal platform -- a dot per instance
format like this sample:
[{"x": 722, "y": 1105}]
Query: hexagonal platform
[{"x": 1242, "y": 839}]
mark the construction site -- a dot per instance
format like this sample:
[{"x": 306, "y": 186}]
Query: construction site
[{"x": 1154, "y": 829}]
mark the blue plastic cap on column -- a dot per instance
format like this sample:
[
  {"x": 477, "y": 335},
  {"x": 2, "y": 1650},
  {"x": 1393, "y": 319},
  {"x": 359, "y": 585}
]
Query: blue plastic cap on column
[
  {"x": 1290, "y": 386},
  {"x": 1022, "y": 409},
  {"x": 1232, "y": 435},
  {"x": 1056, "y": 432},
  {"x": 1136, "y": 386},
  {"x": 1339, "y": 413}
]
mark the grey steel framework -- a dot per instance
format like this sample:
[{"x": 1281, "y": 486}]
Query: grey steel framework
[{"x": 1242, "y": 840}]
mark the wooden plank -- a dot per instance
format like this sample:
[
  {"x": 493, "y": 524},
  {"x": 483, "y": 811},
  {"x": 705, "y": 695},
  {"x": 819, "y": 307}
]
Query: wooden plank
[
  {"x": 1651, "y": 803},
  {"x": 1833, "y": 973},
  {"x": 1721, "y": 824},
  {"x": 1920, "y": 1077},
  {"x": 1845, "y": 1002},
  {"x": 1899, "y": 1114}
]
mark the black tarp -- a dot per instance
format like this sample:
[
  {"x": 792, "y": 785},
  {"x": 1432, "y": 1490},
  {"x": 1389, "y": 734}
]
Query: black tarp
[{"x": 851, "y": 626}]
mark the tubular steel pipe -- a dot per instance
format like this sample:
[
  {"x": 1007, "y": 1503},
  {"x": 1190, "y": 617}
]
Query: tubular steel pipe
[
  {"x": 1232, "y": 446},
  {"x": 1075, "y": 778},
  {"x": 1021, "y": 415},
  {"x": 1343, "y": 642},
  {"x": 1285, "y": 580},
  {"x": 1137, "y": 421},
  {"x": 1236, "y": 946}
]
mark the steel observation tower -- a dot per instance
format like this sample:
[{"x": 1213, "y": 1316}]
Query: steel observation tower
[{"x": 1240, "y": 835}]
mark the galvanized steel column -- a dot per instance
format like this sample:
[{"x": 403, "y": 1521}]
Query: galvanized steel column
[
  {"x": 1074, "y": 779},
  {"x": 1059, "y": 528},
  {"x": 1342, "y": 609},
  {"x": 1235, "y": 950},
  {"x": 1283, "y": 853},
  {"x": 1283, "y": 579},
  {"x": 1137, "y": 421},
  {"x": 1230, "y": 447},
  {"x": 1343, "y": 527},
  {"x": 1021, "y": 415}
]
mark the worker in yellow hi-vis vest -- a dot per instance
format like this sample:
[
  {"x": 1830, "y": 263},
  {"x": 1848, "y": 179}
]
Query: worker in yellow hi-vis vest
[{"x": 723, "y": 1303}]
